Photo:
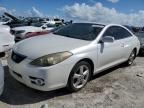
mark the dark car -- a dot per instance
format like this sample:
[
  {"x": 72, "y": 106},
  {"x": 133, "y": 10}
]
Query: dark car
[{"x": 140, "y": 36}]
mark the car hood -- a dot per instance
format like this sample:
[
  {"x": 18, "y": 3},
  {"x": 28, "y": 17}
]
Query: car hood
[
  {"x": 26, "y": 28},
  {"x": 47, "y": 44}
]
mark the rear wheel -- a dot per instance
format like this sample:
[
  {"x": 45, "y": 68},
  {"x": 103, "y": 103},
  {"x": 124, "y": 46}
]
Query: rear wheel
[
  {"x": 79, "y": 76},
  {"x": 131, "y": 58}
]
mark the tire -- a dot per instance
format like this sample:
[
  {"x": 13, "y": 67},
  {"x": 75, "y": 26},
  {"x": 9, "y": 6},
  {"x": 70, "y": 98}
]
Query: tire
[
  {"x": 131, "y": 58},
  {"x": 79, "y": 76}
]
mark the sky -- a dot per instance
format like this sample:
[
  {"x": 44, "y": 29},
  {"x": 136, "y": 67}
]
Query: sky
[{"x": 102, "y": 11}]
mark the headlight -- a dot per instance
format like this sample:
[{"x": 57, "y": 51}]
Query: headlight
[{"x": 51, "y": 59}]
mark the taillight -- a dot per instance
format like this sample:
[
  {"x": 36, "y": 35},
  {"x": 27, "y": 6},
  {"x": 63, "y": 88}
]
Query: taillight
[{"x": 32, "y": 34}]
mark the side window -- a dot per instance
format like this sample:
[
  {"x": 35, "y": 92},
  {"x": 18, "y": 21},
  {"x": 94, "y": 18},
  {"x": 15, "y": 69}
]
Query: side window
[
  {"x": 125, "y": 33},
  {"x": 114, "y": 32},
  {"x": 117, "y": 32}
]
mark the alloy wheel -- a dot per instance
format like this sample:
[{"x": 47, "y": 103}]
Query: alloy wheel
[
  {"x": 81, "y": 76},
  {"x": 131, "y": 58}
]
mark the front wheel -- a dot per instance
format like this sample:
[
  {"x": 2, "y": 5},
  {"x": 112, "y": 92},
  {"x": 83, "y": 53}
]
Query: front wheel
[
  {"x": 131, "y": 58},
  {"x": 79, "y": 76}
]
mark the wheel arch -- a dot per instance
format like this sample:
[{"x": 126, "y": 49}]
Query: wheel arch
[{"x": 89, "y": 61}]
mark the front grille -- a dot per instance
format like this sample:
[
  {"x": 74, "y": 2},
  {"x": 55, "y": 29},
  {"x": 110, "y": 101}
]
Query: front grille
[{"x": 17, "y": 57}]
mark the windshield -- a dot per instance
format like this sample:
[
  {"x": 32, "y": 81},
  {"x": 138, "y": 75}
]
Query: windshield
[
  {"x": 51, "y": 25},
  {"x": 84, "y": 31},
  {"x": 37, "y": 24}
]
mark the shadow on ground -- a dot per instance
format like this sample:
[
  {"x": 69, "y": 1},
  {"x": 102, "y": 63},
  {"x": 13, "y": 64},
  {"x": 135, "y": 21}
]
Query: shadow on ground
[{"x": 16, "y": 93}]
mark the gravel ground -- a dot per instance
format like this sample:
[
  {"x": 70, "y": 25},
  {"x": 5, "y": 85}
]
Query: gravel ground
[{"x": 119, "y": 87}]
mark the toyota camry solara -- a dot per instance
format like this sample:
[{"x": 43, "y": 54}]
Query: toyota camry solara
[{"x": 70, "y": 56}]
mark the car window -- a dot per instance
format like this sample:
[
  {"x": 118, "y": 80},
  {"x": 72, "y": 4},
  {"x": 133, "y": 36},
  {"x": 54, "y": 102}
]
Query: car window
[
  {"x": 50, "y": 25},
  {"x": 84, "y": 31},
  {"x": 37, "y": 24},
  {"x": 117, "y": 32}
]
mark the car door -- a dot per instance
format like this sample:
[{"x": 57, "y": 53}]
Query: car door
[
  {"x": 110, "y": 53},
  {"x": 127, "y": 41}
]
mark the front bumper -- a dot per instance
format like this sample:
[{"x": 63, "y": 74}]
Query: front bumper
[
  {"x": 41, "y": 78},
  {"x": 19, "y": 37}
]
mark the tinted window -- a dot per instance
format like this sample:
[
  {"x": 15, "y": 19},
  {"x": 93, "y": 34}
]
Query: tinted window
[
  {"x": 117, "y": 32},
  {"x": 51, "y": 25},
  {"x": 84, "y": 31},
  {"x": 57, "y": 19},
  {"x": 37, "y": 24}
]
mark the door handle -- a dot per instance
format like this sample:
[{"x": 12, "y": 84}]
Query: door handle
[{"x": 124, "y": 45}]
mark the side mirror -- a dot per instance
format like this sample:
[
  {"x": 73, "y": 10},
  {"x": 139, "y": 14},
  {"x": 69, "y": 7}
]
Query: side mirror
[{"x": 108, "y": 39}]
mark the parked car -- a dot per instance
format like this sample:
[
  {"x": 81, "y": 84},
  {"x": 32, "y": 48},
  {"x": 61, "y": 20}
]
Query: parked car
[
  {"x": 6, "y": 39},
  {"x": 24, "y": 32},
  {"x": 1, "y": 78},
  {"x": 4, "y": 20},
  {"x": 140, "y": 36},
  {"x": 15, "y": 22},
  {"x": 70, "y": 56}
]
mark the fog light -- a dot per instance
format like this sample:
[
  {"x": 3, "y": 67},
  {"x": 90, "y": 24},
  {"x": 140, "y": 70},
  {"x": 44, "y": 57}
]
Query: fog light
[{"x": 39, "y": 82}]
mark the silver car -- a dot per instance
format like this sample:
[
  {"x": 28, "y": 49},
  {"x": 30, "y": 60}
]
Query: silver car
[{"x": 70, "y": 56}]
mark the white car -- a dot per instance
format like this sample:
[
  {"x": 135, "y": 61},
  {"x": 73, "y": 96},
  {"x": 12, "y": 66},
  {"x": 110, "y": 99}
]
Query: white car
[
  {"x": 4, "y": 21},
  {"x": 1, "y": 78},
  {"x": 24, "y": 32},
  {"x": 6, "y": 39},
  {"x": 4, "y": 29},
  {"x": 71, "y": 55}
]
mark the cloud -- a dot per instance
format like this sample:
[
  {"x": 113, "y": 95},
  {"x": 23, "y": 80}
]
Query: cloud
[
  {"x": 101, "y": 14},
  {"x": 113, "y": 1},
  {"x": 37, "y": 12},
  {"x": 33, "y": 13},
  {"x": 2, "y": 10}
]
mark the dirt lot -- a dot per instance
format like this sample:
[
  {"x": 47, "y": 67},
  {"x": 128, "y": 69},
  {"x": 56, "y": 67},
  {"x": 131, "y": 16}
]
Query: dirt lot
[{"x": 120, "y": 87}]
